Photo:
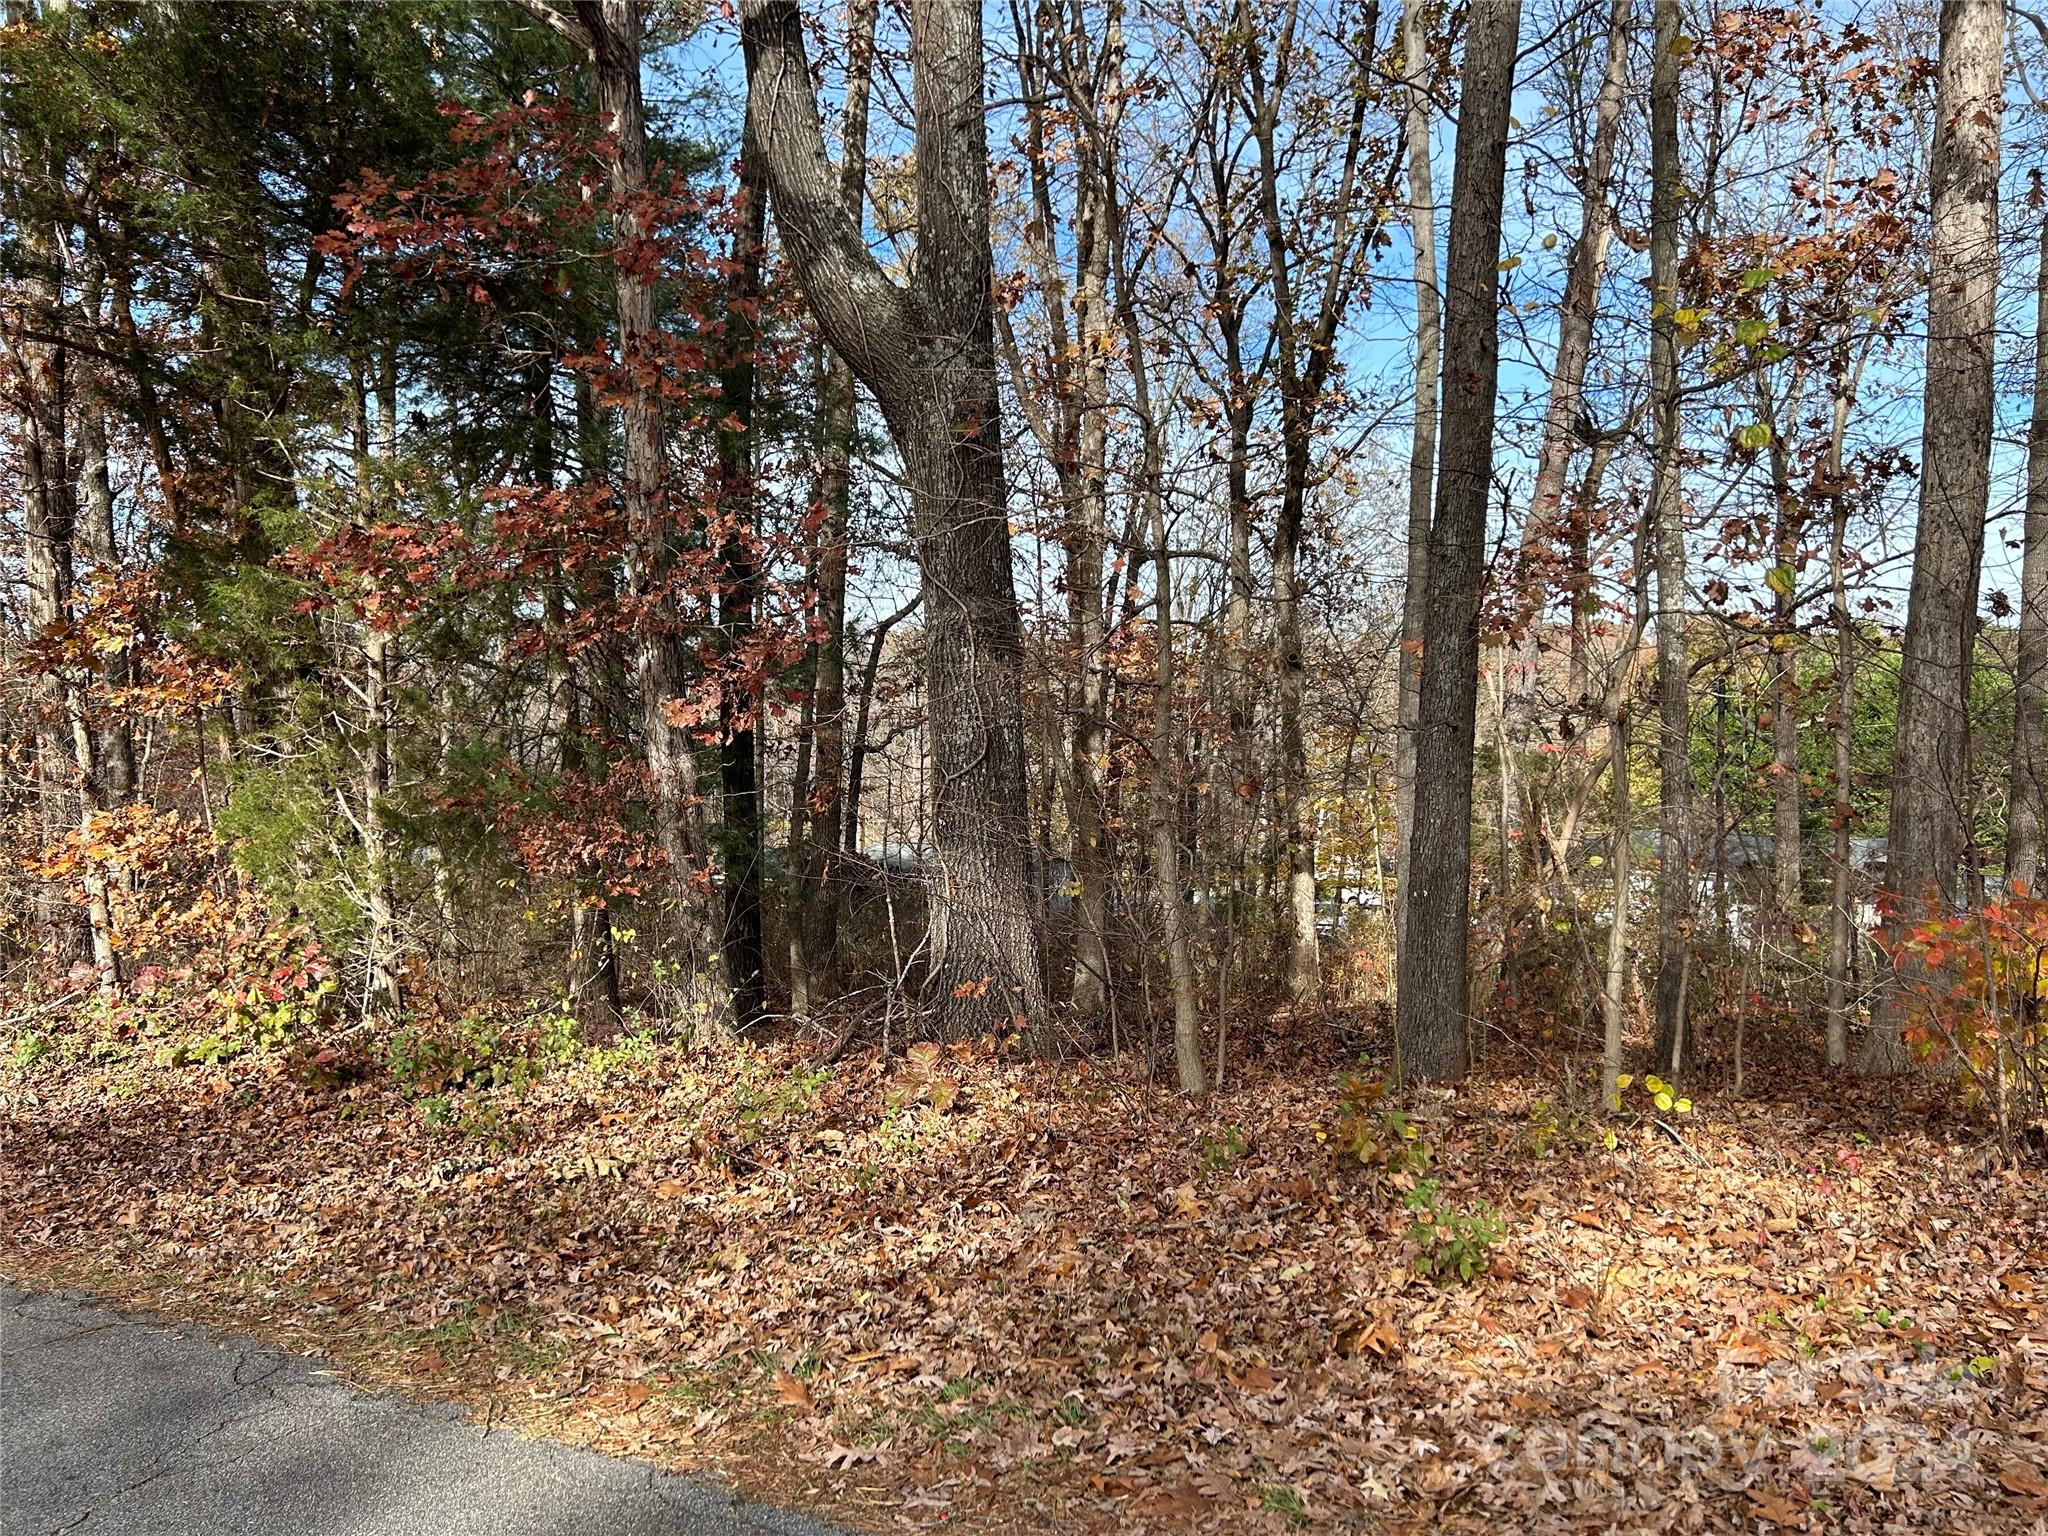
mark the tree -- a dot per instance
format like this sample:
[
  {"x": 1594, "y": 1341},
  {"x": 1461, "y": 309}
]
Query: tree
[
  {"x": 1565, "y": 424},
  {"x": 740, "y": 841},
  {"x": 609, "y": 34},
  {"x": 1667, "y": 508},
  {"x": 2030, "y": 692},
  {"x": 1310, "y": 295},
  {"x": 1930, "y": 762},
  {"x": 926, "y": 352},
  {"x": 819, "y": 821},
  {"x": 1434, "y": 988},
  {"x": 1422, "y": 429},
  {"x": 1062, "y": 64}
]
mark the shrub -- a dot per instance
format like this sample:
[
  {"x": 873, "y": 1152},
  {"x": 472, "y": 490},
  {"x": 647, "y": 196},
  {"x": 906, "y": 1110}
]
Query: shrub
[{"x": 1451, "y": 1244}]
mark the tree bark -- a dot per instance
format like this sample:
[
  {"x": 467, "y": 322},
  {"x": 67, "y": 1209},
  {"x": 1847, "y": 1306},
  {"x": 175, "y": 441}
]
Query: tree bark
[
  {"x": 1620, "y": 827},
  {"x": 2030, "y": 694},
  {"x": 613, "y": 32},
  {"x": 927, "y": 354},
  {"x": 1434, "y": 993},
  {"x": 814, "y": 958},
  {"x": 592, "y": 982},
  {"x": 49, "y": 509},
  {"x": 1930, "y": 765},
  {"x": 1094, "y": 328},
  {"x": 1231, "y": 288},
  {"x": 116, "y": 743},
  {"x": 1304, "y": 346},
  {"x": 1166, "y": 754},
  {"x": 1173, "y": 912},
  {"x": 67, "y": 755},
  {"x": 1422, "y": 433},
  {"x": 1667, "y": 507},
  {"x": 1073, "y": 430},
  {"x": 1841, "y": 918},
  {"x": 739, "y": 832},
  {"x": 1787, "y": 798},
  {"x": 1565, "y": 424},
  {"x": 1564, "y": 414},
  {"x": 373, "y": 750}
]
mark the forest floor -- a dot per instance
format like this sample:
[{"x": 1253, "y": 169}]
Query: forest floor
[{"x": 957, "y": 1288}]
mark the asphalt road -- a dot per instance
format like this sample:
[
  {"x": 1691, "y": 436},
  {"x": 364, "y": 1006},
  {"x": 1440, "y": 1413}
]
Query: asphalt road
[{"x": 116, "y": 1423}]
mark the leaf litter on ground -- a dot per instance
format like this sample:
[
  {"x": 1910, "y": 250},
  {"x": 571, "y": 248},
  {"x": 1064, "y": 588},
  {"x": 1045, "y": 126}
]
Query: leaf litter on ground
[{"x": 961, "y": 1286}]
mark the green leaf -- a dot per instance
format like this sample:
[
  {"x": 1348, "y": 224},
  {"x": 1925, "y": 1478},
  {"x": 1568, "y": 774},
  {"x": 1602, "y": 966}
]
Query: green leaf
[
  {"x": 1751, "y": 331},
  {"x": 1753, "y": 435},
  {"x": 1779, "y": 579}
]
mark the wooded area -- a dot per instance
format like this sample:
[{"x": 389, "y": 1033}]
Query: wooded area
[{"x": 1398, "y": 632}]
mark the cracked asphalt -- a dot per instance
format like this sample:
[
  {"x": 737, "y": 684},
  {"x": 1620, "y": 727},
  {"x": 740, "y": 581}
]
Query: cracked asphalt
[{"x": 118, "y": 1423}]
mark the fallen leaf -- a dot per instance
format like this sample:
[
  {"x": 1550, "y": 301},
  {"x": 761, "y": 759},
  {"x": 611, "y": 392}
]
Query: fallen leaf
[
  {"x": 792, "y": 1393},
  {"x": 2018, "y": 1477},
  {"x": 1776, "y": 1508}
]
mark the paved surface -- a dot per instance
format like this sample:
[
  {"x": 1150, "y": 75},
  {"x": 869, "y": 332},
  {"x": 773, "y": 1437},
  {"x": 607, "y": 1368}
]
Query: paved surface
[{"x": 115, "y": 1423}]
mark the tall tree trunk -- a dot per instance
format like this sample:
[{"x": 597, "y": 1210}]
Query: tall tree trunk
[
  {"x": 49, "y": 510},
  {"x": 1620, "y": 829},
  {"x": 1173, "y": 911},
  {"x": 1564, "y": 414},
  {"x": 1930, "y": 764},
  {"x": 1433, "y": 1003},
  {"x": 611, "y": 31},
  {"x": 1584, "y": 611},
  {"x": 1303, "y": 345},
  {"x": 1241, "y": 657},
  {"x": 1565, "y": 424},
  {"x": 1166, "y": 749},
  {"x": 1095, "y": 329},
  {"x": 1293, "y": 806},
  {"x": 1422, "y": 434},
  {"x": 1841, "y": 917},
  {"x": 1787, "y": 797},
  {"x": 67, "y": 755},
  {"x": 1166, "y": 755},
  {"x": 592, "y": 982},
  {"x": 814, "y": 958},
  {"x": 1667, "y": 507},
  {"x": 117, "y": 735},
  {"x": 1072, "y": 429},
  {"x": 374, "y": 753},
  {"x": 927, "y": 354},
  {"x": 739, "y": 832},
  {"x": 116, "y": 743},
  {"x": 2029, "y": 772}
]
